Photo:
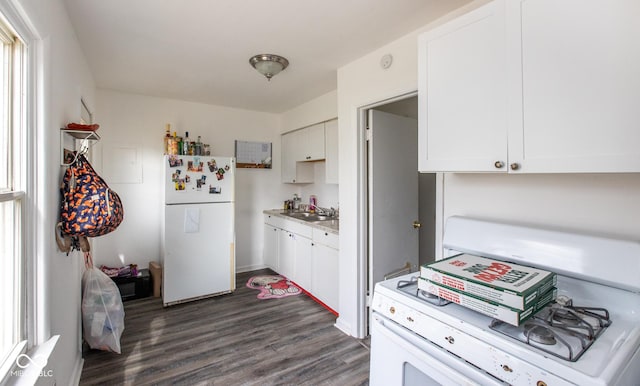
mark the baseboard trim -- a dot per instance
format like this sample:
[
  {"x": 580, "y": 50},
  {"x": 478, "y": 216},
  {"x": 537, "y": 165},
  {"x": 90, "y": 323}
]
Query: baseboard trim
[
  {"x": 248, "y": 268},
  {"x": 77, "y": 372},
  {"x": 344, "y": 327}
]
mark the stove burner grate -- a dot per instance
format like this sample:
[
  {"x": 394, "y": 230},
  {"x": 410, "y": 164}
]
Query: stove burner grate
[
  {"x": 586, "y": 323},
  {"x": 411, "y": 287},
  {"x": 565, "y": 331}
]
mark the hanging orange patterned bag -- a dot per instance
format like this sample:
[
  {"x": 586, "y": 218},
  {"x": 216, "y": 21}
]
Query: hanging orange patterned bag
[{"x": 89, "y": 207}]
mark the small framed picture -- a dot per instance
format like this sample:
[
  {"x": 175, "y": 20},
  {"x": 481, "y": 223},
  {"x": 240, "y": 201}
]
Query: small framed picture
[{"x": 253, "y": 155}]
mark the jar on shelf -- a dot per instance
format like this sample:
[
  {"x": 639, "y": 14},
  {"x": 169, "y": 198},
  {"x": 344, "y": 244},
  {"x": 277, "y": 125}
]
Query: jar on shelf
[{"x": 173, "y": 147}]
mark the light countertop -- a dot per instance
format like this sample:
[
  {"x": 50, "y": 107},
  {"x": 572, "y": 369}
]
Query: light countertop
[{"x": 332, "y": 226}]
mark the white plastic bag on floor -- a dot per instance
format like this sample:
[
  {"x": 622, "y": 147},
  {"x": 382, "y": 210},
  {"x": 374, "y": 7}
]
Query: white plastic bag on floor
[{"x": 102, "y": 310}]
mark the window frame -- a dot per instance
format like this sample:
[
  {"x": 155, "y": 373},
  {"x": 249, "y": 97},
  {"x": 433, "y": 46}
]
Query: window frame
[{"x": 28, "y": 178}]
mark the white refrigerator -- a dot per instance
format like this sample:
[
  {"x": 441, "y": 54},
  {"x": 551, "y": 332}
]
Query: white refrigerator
[{"x": 198, "y": 227}]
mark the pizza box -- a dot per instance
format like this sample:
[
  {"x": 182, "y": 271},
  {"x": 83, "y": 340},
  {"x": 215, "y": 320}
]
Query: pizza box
[
  {"x": 506, "y": 314},
  {"x": 513, "y": 285}
]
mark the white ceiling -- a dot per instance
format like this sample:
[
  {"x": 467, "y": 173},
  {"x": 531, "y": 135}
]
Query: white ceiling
[{"x": 199, "y": 50}]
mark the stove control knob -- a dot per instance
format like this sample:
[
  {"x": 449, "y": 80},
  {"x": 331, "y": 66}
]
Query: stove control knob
[
  {"x": 392, "y": 310},
  {"x": 449, "y": 339},
  {"x": 507, "y": 368}
]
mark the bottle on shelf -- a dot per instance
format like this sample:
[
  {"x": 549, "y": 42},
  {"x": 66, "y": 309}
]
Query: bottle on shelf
[
  {"x": 198, "y": 147},
  {"x": 185, "y": 144},
  {"x": 167, "y": 138}
]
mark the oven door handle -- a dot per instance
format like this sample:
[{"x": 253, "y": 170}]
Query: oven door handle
[{"x": 438, "y": 358}]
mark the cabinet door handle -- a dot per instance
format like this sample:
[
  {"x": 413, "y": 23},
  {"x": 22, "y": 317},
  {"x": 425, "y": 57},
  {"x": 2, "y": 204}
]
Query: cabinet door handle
[
  {"x": 514, "y": 166},
  {"x": 416, "y": 224},
  {"x": 498, "y": 164}
]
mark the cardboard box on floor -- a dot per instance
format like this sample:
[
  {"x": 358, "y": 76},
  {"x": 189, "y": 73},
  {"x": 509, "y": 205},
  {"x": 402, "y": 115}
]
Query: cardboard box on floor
[{"x": 156, "y": 275}]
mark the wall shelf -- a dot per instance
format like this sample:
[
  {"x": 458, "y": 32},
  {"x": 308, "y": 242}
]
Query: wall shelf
[
  {"x": 82, "y": 134},
  {"x": 81, "y": 138}
]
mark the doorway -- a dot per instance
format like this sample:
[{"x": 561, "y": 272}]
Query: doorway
[{"x": 400, "y": 203}]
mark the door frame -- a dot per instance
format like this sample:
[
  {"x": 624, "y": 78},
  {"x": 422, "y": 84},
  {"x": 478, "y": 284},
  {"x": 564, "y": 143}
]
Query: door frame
[
  {"x": 364, "y": 297},
  {"x": 362, "y": 210}
]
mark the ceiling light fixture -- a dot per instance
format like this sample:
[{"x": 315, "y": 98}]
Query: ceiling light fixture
[{"x": 269, "y": 64}]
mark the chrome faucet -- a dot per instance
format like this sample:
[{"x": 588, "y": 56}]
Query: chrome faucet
[
  {"x": 320, "y": 210},
  {"x": 326, "y": 212}
]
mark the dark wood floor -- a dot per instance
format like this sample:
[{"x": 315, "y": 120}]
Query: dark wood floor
[{"x": 233, "y": 339}]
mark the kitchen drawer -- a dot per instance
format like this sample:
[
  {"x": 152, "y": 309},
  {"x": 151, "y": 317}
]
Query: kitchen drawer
[
  {"x": 329, "y": 239},
  {"x": 297, "y": 228},
  {"x": 276, "y": 221},
  {"x": 288, "y": 225}
]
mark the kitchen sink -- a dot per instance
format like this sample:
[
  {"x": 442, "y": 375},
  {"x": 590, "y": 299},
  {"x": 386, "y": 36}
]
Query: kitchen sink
[
  {"x": 299, "y": 214},
  {"x": 330, "y": 222},
  {"x": 311, "y": 217}
]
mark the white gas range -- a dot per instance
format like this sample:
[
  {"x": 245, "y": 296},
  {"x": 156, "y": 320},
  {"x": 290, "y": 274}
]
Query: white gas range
[{"x": 596, "y": 341}]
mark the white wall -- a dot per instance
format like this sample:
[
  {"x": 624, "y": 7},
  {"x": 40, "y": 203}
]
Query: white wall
[
  {"x": 361, "y": 83},
  {"x": 64, "y": 78},
  {"x": 326, "y": 194},
  {"x": 604, "y": 204},
  {"x": 320, "y": 109},
  {"x": 139, "y": 121}
]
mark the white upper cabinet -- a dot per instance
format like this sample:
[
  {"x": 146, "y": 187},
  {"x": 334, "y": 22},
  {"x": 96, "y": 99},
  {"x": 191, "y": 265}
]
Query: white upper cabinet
[
  {"x": 292, "y": 170},
  {"x": 288, "y": 170},
  {"x": 578, "y": 85},
  {"x": 312, "y": 143},
  {"x": 462, "y": 96},
  {"x": 532, "y": 86},
  {"x": 331, "y": 151}
]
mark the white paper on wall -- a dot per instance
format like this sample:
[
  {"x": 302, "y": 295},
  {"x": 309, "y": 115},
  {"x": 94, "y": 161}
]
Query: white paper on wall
[{"x": 192, "y": 220}]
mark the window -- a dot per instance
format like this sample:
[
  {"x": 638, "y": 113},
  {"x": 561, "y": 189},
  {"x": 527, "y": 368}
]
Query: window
[{"x": 13, "y": 195}]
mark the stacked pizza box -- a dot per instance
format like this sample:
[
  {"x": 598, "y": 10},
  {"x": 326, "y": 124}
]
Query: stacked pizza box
[{"x": 505, "y": 291}]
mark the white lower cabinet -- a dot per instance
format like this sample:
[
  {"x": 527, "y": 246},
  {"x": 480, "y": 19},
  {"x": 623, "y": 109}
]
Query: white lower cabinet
[
  {"x": 302, "y": 273},
  {"x": 306, "y": 255},
  {"x": 270, "y": 251},
  {"x": 286, "y": 253},
  {"x": 324, "y": 270}
]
